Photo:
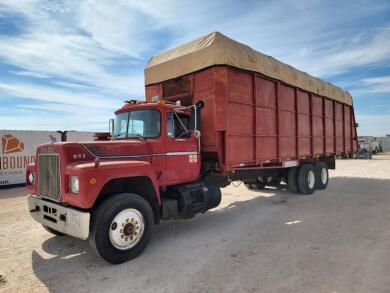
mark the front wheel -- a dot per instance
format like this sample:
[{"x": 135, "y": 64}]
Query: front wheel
[{"x": 121, "y": 227}]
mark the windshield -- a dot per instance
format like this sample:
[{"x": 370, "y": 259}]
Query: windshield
[{"x": 138, "y": 123}]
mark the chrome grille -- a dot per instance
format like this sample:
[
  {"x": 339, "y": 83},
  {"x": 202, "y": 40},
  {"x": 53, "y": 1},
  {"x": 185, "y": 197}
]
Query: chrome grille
[{"x": 49, "y": 176}]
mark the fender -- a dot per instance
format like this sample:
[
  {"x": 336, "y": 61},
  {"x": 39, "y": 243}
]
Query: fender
[{"x": 94, "y": 176}]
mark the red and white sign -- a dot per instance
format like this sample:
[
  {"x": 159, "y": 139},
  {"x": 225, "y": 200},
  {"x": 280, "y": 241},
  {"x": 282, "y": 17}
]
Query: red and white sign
[{"x": 18, "y": 149}]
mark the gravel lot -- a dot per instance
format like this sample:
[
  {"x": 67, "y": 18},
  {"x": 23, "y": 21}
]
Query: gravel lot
[{"x": 336, "y": 240}]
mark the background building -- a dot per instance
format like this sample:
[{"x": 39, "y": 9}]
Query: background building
[{"x": 18, "y": 149}]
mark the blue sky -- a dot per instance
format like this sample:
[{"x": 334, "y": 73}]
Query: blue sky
[{"x": 70, "y": 64}]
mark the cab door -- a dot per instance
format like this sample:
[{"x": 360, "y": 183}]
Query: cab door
[{"x": 182, "y": 150}]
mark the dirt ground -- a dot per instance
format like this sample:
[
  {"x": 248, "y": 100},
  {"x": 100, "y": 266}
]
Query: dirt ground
[{"x": 336, "y": 240}]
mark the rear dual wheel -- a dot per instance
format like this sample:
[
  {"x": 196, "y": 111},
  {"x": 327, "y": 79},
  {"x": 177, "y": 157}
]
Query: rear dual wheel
[
  {"x": 322, "y": 175},
  {"x": 307, "y": 178}
]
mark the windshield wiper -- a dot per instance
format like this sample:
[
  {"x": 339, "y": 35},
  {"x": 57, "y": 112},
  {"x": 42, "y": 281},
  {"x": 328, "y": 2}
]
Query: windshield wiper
[
  {"x": 119, "y": 134},
  {"x": 136, "y": 135}
]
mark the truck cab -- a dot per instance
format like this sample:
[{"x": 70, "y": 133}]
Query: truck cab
[
  {"x": 112, "y": 192},
  {"x": 365, "y": 149},
  {"x": 167, "y": 136}
]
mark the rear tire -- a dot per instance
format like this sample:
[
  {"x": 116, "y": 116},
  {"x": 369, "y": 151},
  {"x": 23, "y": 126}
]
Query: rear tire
[
  {"x": 322, "y": 175},
  {"x": 306, "y": 179},
  {"x": 121, "y": 227},
  {"x": 292, "y": 179},
  {"x": 52, "y": 231}
]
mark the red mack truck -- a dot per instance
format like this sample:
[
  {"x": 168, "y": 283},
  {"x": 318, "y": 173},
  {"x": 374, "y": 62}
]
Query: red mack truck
[{"x": 216, "y": 111}]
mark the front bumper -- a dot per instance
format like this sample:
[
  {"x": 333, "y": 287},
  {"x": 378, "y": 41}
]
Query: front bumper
[{"x": 58, "y": 217}]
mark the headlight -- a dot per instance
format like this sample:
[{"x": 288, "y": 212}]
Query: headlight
[
  {"x": 31, "y": 178},
  {"x": 74, "y": 184}
]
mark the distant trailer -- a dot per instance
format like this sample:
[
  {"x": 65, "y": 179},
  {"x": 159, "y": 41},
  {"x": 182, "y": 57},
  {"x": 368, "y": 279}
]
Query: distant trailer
[
  {"x": 384, "y": 142},
  {"x": 18, "y": 150}
]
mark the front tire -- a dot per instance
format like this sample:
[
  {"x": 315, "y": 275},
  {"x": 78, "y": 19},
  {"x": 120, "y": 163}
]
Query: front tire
[{"x": 121, "y": 227}]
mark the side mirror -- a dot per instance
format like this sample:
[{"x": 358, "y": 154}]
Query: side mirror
[
  {"x": 195, "y": 115},
  {"x": 111, "y": 126},
  {"x": 356, "y": 124}
]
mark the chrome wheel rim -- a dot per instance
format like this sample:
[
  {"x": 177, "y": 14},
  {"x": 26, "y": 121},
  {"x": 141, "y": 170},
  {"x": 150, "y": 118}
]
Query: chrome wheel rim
[
  {"x": 324, "y": 176},
  {"x": 126, "y": 229},
  {"x": 311, "y": 179}
]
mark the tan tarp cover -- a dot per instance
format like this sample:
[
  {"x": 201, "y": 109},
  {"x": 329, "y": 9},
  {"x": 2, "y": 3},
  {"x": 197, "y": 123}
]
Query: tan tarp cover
[{"x": 217, "y": 49}]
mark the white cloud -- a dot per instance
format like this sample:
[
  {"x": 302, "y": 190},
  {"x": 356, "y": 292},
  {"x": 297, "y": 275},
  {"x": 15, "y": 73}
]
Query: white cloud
[
  {"x": 376, "y": 125},
  {"x": 93, "y": 35},
  {"x": 364, "y": 51},
  {"x": 118, "y": 28},
  {"x": 50, "y": 94},
  {"x": 371, "y": 85},
  {"x": 101, "y": 47},
  {"x": 379, "y": 84},
  {"x": 44, "y": 121},
  {"x": 314, "y": 36},
  {"x": 62, "y": 40},
  {"x": 30, "y": 74},
  {"x": 72, "y": 57},
  {"x": 55, "y": 108}
]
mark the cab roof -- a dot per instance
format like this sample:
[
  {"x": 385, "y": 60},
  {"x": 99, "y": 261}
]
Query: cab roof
[{"x": 138, "y": 105}]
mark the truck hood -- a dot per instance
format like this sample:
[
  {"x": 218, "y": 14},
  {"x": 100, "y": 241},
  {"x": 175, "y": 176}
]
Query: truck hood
[
  {"x": 120, "y": 148},
  {"x": 86, "y": 151}
]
